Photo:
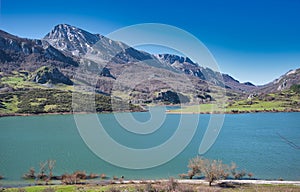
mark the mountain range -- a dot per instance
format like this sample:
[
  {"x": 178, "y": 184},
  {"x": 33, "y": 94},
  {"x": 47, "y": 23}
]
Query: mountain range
[{"x": 68, "y": 56}]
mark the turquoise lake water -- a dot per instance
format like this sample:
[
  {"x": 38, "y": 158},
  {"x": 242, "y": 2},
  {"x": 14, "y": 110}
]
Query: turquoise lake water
[{"x": 253, "y": 141}]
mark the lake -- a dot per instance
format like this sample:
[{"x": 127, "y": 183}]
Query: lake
[{"x": 261, "y": 143}]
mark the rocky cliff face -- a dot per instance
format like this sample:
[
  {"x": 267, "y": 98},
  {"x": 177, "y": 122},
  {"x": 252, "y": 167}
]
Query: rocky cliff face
[
  {"x": 29, "y": 54},
  {"x": 71, "y": 39}
]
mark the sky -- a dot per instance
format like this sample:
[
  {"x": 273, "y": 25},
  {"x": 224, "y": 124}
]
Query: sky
[{"x": 255, "y": 41}]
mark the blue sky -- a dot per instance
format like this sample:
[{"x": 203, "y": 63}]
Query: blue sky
[{"x": 253, "y": 41}]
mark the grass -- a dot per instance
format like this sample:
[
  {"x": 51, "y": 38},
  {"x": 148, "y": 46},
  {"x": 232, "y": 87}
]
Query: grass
[
  {"x": 11, "y": 105},
  {"x": 49, "y": 107},
  {"x": 158, "y": 187},
  {"x": 203, "y": 108},
  {"x": 19, "y": 80},
  {"x": 257, "y": 105},
  {"x": 264, "y": 188},
  {"x": 283, "y": 101},
  {"x": 59, "y": 188}
]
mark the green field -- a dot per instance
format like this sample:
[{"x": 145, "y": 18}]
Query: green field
[
  {"x": 282, "y": 101},
  {"x": 159, "y": 187}
]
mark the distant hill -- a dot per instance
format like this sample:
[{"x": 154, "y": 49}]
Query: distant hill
[{"x": 282, "y": 83}]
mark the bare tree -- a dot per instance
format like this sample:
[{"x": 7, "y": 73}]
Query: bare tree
[
  {"x": 214, "y": 170},
  {"x": 250, "y": 175},
  {"x": 211, "y": 169},
  {"x": 42, "y": 170},
  {"x": 51, "y": 164},
  {"x": 195, "y": 166},
  {"x": 30, "y": 174},
  {"x": 235, "y": 173}
]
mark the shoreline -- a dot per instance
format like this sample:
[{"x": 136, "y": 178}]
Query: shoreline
[
  {"x": 203, "y": 181},
  {"x": 62, "y": 113},
  {"x": 167, "y": 112},
  {"x": 157, "y": 181},
  {"x": 233, "y": 112}
]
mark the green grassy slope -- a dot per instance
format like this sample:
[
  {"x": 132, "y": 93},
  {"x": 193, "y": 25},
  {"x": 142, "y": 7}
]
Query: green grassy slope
[
  {"x": 281, "y": 101},
  {"x": 26, "y": 97}
]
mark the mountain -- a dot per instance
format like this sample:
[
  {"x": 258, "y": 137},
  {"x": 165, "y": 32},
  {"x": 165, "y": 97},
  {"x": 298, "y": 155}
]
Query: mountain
[
  {"x": 68, "y": 55},
  {"x": 78, "y": 42},
  {"x": 187, "y": 66},
  {"x": 284, "y": 82},
  {"x": 21, "y": 53},
  {"x": 234, "y": 84},
  {"x": 71, "y": 39},
  {"x": 184, "y": 64}
]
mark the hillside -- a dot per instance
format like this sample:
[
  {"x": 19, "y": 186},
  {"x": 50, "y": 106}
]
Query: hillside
[{"x": 39, "y": 76}]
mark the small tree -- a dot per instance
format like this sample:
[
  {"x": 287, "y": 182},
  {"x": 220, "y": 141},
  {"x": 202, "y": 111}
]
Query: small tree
[
  {"x": 250, "y": 175},
  {"x": 51, "y": 164},
  {"x": 195, "y": 166},
  {"x": 30, "y": 174},
  {"x": 236, "y": 174},
  {"x": 214, "y": 170},
  {"x": 211, "y": 169},
  {"x": 42, "y": 174}
]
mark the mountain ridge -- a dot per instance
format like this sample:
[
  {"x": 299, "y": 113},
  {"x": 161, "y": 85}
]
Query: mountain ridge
[{"x": 119, "y": 68}]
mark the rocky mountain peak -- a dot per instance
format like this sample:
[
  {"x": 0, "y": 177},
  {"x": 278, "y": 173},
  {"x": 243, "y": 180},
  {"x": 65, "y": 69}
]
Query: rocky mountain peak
[
  {"x": 170, "y": 58},
  {"x": 71, "y": 39}
]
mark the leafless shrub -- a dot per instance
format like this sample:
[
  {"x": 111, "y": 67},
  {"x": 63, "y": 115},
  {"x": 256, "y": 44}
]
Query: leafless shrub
[
  {"x": 51, "y": 164},
  {"x": 235, "y": 173},
  {"x": 250, "y": 175},
  {"x": 103, "y": 176},
  {"x": 80, "y": 174},
  {"x": 184, "y": 176},
  {"x": 93, "y": 176},
  {"x": 30, "y": 174},
  {"x": 42, "y": 172},
  {"x": 172, "y": 184},
  {"x": 69, "y": 179}
]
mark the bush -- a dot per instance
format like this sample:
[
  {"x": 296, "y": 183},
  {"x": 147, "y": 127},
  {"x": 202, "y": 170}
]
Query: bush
[
  {"x": 80, "y": 174},
  {"x": 93, "y": 176},
  {"x": 103, "y": 176},
  {"x": 296, "y": 88},
  {"x": 30, "y": 174},
  {"x": 69, "y": 179}
]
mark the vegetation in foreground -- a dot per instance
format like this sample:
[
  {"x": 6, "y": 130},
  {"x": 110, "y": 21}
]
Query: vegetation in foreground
[
  {"x": 171, "y": 185},
  {"x": 211, "y": 170}
]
